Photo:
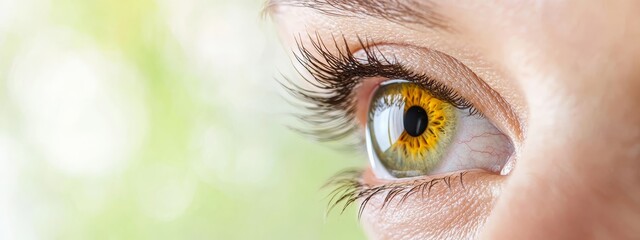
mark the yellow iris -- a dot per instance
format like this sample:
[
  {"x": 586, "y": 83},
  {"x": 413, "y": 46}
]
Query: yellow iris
[{"x": 402, "y": 154}]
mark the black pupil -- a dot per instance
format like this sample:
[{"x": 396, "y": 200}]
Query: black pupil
[{"x": 415, "y": 121}]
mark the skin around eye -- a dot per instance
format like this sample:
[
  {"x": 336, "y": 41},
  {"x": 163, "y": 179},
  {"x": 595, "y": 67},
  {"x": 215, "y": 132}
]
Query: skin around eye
[
  {"x": 341, "y": 87},
  {"x": 567, "y": 70}
]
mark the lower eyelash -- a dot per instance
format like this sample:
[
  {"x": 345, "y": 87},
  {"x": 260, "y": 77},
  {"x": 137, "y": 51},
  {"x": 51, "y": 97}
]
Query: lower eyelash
[{"x": 349, "y": 189}]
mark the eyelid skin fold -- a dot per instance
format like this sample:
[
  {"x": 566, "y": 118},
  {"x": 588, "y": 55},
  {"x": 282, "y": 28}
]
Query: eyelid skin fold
[
  {"x": 457, "y": 76},
  {"x": 335, "y": 72}
]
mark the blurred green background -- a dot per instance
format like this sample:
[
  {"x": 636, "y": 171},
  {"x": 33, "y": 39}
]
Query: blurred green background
[{"x": 154, "y": 119}]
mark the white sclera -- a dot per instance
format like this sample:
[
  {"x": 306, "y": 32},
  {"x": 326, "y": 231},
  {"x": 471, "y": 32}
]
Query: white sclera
[{"x": 477, "y": 144}]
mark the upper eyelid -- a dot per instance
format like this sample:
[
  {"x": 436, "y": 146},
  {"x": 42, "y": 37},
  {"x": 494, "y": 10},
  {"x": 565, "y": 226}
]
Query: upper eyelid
[
  {"x": 367, "y": 54},
  {"x": 415, "y": 58},
  {"x": 484, "y": 96},
  {"x": 334, "y": 76}
]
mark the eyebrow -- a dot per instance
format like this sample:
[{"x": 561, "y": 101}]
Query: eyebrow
[{"x": 399, "y": 11}]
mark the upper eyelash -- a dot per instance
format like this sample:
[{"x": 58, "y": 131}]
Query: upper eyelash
[
  {"x": 330, "y": 103},
  {"x": 349, "y": 188}
]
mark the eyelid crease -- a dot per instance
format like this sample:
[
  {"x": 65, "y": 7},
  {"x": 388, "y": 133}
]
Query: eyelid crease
[{"x": 490, "y": 103}]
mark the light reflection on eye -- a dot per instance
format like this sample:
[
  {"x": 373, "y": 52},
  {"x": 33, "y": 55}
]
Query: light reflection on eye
[{"x": 410, "y": 132}]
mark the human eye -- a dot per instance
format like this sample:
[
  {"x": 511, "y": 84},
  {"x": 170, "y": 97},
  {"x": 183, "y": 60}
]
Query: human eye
[{"x": 414, "y": 124}]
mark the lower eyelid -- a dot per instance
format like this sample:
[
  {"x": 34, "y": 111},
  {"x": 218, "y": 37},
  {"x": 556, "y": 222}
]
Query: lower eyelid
[
  {"x": 441, "y": 202},
  {"x": 360, "y": 187}
]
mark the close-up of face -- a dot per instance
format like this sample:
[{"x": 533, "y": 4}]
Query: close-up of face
[
  {"x": 319, "y": 119},
  {"x": 474, "y": 119}
]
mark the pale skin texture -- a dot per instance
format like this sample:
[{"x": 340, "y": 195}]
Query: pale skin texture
[{"x": 568, "y": 78}]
